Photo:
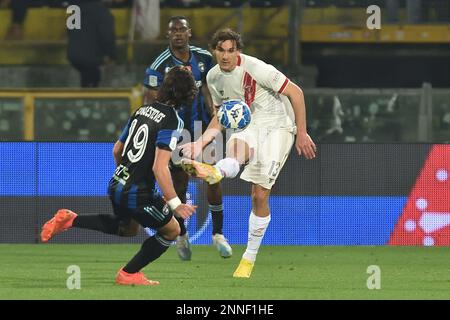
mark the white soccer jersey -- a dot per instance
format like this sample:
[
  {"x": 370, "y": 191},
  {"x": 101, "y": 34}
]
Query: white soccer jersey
[{"x": 259, "y": 85}]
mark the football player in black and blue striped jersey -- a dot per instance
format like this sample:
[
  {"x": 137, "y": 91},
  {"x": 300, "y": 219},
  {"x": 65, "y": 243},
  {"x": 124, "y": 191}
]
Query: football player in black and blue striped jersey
[{"x": 142, "y": 156}]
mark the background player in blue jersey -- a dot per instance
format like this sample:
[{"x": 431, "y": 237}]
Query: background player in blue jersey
[
  {"x": 199, "y": 61},
  {"x": 142, "y": 156}
]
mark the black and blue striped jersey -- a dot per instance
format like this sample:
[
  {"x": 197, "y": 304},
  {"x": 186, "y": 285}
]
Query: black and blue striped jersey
[
  {"x": 151, "y": 126},
  {"x": 200, "y": 62}
]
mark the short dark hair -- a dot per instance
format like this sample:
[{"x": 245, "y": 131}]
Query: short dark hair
[
  {"x": 177, "y": 18},
  {"x": 224, "y": 35},
  {"x": 178, "y": 87}
]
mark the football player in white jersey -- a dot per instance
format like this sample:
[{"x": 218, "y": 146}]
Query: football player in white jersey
[{"x": 278, "y": 122}]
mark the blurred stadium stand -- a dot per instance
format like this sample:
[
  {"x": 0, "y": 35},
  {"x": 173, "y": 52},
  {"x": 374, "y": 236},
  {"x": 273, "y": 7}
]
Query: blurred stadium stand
[
  {"x": 334, "y": 115},
  {"x": 65, "y": 115},
  {"x": 337, "y": 51}
]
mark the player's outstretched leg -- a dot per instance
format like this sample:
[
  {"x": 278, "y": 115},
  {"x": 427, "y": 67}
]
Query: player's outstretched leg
[
  {"x": 204, "y": 171},
  {"x": 151, "y": 249},
  {"x": 61, "y": 221}
]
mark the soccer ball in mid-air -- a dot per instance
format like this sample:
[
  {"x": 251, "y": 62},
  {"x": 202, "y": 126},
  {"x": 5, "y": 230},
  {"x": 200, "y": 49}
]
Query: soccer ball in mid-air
[{"x": 234, "y": 114}]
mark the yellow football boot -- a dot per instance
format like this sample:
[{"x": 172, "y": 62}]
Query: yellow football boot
[
  {"x": 244, "y": 270},
  {"x": 204, "y": 171}
]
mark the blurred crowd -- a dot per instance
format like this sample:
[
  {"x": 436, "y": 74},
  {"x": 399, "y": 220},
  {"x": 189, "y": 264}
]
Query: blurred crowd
[
  {"x": 19, "y": 10},
  {"x": 63, "y": 3}
]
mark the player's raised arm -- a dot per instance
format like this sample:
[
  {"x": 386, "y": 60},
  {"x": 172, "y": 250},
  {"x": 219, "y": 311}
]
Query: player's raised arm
[
  {"x": 117, "y": 152},
  {"x": 193, "y": 149},
  {"x": 214, "y": 127},
  {"x": 303, "y": 142},
  {"x": 120, "y": 143},
  {"x": 164, "y": 179},
  {"x": 212, "y": 97}
]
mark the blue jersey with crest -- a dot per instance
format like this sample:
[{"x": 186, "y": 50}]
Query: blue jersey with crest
[
  {"x": 150, "y": 126},
  {"x": 200, "y": 62}
]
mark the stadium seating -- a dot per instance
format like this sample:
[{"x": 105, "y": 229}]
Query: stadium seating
[{"x": 182, "y": 3}]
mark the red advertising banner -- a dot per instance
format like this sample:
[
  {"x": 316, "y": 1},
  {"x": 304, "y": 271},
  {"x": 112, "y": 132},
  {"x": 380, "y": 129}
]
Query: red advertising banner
[{"x": 426, "y": 217}]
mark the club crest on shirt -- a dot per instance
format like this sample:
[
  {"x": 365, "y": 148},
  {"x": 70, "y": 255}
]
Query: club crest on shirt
[{"x": 201, "y": 66}]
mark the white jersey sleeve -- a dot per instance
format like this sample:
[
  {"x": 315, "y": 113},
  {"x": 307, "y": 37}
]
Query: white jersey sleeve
[{"x": 267, "y": 75}]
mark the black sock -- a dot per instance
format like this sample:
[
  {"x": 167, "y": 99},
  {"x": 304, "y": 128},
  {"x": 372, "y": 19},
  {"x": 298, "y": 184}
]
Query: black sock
[
  {"x": 151, "y": 249},
  {"x": 217, "y": 217},
  {"x": 183, "y": 199},
  {"x": 102, "y": 222},
  {"x": 182, "y": 226}
]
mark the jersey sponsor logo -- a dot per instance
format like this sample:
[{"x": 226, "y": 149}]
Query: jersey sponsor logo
[
  {"x": 153, "y": 81},
  {"x": 121, "y": 174},
  {"x": 201, "y": 66}
]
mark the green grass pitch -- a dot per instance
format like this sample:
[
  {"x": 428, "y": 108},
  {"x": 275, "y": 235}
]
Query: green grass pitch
[{"x": 281, "y": 272}]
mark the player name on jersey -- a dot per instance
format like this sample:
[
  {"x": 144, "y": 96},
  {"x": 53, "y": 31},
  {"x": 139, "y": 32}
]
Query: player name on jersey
[{"x": 151, "y": 113}]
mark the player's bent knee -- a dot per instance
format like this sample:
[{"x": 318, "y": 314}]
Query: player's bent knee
[
  {"x": 173, "y": 233},
  {"x": 171, "y": 230}
]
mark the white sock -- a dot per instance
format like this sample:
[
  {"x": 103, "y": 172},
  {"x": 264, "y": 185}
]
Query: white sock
[
  {"x": 229, "y": 167},
  {"x": 257, "y": 227}
]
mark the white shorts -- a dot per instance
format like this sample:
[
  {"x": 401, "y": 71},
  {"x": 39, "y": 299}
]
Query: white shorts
[{"x": 269, "y": 151}]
